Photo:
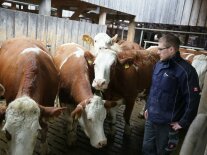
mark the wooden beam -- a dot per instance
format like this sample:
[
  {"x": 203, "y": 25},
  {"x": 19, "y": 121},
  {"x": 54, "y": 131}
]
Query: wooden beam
[
  {"x": 131, "y": 31},
  {"x": 102, "y": 17},
  {"x": 45, "y": 7},
  {"x": 78, "y": 12}
]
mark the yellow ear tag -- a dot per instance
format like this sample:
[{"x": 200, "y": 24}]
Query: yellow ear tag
[
  {"x": 90, "y": 62},
  {"x": 126, "y": 66},
  {"x": 87, "y": 39}
]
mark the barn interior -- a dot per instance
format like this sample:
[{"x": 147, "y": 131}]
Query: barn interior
[{"x": 95, "y": 16}]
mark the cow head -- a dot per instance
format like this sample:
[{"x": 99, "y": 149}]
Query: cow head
[
  {"x": 105, "y": 66},
  {"x": 22, "y": 124},
  {"x": 100, "y": 41},
  {"x": 92, "y": 114},
  {"x": 200, "y": 64}
]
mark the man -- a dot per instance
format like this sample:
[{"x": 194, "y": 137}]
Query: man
[{"x": 173, "y": 100}]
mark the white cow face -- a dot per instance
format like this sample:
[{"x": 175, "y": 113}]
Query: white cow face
[
  {"x": 103, "y": 41},
  {"x": 200, "y": 64},
  {"x": 102, "y": 68},
  {"x": 22, "y": 123},
  {"x": 92, "y": 120}
]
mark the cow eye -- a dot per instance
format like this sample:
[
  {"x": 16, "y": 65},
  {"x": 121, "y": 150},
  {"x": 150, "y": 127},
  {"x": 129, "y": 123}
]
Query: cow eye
[
  {"x": 95, "y": 41},
  {"x": 90, "y": 119}
]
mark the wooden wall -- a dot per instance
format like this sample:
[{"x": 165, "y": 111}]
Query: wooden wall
[
  {"x": 51, "y": 31},
  {"x": 176, "y": 12}
]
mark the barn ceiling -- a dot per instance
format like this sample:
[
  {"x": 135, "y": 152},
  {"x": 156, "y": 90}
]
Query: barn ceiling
[{"x": 87, "y": 10}]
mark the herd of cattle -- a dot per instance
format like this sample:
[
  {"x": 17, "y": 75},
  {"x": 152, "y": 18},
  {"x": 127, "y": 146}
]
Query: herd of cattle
[{"x": 95, "y": 82}]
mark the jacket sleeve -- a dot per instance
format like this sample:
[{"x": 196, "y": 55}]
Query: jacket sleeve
[{"x": 191, "y": 93}]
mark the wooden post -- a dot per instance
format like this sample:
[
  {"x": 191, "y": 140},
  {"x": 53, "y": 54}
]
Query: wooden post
[
  {"x": 131, "y": 31},
  {"x": 59, "y": 12},
  {"x": 13, "y": 6},
  {"x": 45, "y": 7},
  {"x": 102, "y": 17}
]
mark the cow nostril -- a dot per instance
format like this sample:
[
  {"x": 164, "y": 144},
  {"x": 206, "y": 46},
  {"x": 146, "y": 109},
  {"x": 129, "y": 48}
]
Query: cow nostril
[
  {"x": 102, "y": 143},
  {"x": 103, "y": 82}
]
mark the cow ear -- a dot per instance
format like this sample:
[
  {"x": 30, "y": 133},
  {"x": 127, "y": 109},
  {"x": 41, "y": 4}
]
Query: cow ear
[
  {"x": 51, "y": 111},
  {"x": 76, "y": 113},
  {"x": 2, "y": 90},
  {"x": 88, "y": 39},
  {"x": 89, "y": 57},
  {"x": 109, "y": 104},
  {"x": 79, "y": 109},
  {"x": 126, "y": 62}
]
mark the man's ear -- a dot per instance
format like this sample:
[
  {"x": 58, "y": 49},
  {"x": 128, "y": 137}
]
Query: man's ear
[
  {"x": 89, "y": 57},
  {"x": 88, "y": 39}
]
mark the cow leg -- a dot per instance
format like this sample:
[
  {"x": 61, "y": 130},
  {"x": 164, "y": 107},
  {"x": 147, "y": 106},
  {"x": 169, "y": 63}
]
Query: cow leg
[
  {"x": 127, "y": 114},
  {"x": 43, "y": 132},
  {"x": 71, "y": 126},
  {"x": 113, "y": 112}
]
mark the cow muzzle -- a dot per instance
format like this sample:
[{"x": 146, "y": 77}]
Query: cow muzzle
[
  {"x": 101, "y": 143},
  {"x": 100, "y": 84}
]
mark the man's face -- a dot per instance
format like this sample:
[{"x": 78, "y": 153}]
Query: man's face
[{"x": 165, "y": 52}]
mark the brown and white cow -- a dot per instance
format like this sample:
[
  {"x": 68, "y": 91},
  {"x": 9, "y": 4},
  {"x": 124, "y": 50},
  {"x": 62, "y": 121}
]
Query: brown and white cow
[
  {"x": 76, "y": 74},
  {"x": 31, "y": 81},
  {"x": 124, "y": 74},
  {"x": 121, "y": 72}
]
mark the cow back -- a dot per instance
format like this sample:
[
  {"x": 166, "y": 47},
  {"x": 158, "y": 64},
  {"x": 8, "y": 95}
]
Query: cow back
[
  {"x": 27, "y": 69},
  {"x": 75, "y": 73}
]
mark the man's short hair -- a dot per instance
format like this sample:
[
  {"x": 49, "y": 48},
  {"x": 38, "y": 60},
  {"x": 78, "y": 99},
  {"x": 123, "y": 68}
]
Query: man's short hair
[{"x": 170, "y": 40}]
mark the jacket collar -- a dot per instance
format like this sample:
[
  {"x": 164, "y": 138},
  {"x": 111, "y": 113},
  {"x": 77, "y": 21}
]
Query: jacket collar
[{"x": 167, "y": 63}]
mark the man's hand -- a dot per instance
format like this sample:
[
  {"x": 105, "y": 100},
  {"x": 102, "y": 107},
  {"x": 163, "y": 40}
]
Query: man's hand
[
  {"x": 175, "y": 126},
  {"x": 145, "y": 114}
]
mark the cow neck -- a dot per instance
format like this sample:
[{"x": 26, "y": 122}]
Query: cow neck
[{"x": 29, "y": 77}]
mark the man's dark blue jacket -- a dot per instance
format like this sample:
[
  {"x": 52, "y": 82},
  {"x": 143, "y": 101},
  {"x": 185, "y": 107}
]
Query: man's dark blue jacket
[{"x": 174, "y": 94}]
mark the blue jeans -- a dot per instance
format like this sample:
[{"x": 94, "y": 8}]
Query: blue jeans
[{"x": 155, "y": 139}]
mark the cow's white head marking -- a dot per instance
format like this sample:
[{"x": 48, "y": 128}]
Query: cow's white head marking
[
  {"x": 102, "y": 68},
  {"x": 22, "y": 123},
  {"x": 92, "y": 120},
  {"x": 200, "y": 64}
]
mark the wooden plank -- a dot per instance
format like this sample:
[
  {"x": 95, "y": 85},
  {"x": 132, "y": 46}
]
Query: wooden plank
[
  {"x": 94, "y": 30},
  {"x": 60, "y": 31},
  {"x": 21, "y": 22},
  {"x": 165, "y": 12},
  {"x": 41, "y": 33},
  {"x": 3, "y": 17},
  {"x": 51, "y": 26},
  {"x": 10, "y": 23},
  {"x": 195, "y": 12},
  {"x": 202, "y": 19},
  {"x": 68, "y": 31},
  {"x": 179, "y": 12},
  {"x": 187, "y": 12},
  {"x": 81, "y": 31},
  {"x": 172, "y": 11},
  {"x": 75, "y": 27},
  {"x": 32, "y": 25}
]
